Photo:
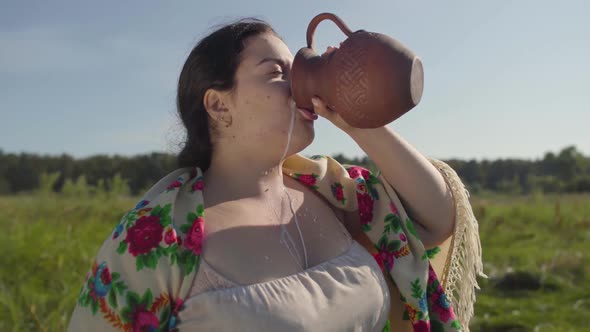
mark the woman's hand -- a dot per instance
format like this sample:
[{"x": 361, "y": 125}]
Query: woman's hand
[{"x": 320, "y": 108}]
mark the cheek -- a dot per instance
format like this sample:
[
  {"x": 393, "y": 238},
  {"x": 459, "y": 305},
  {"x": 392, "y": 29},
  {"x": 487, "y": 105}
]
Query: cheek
[
  {"x": 265, "y": 111},
  {"x": 271, "y": 109},
  {"x": 263, "y": 124},
  {"x": 276, "y": 94}
]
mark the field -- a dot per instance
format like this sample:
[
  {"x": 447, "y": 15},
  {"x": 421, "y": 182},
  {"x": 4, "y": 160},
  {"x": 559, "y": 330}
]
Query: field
[{"x": 536, "y": 252}]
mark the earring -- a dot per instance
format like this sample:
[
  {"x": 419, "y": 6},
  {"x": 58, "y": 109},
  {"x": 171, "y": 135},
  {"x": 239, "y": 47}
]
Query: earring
[{"x": 227, "y": 123}]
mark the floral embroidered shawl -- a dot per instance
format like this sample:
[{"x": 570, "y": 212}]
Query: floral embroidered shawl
[{"x": 145, "y": 268}]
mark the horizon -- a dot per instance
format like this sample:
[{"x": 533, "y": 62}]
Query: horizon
[
  {"x": 111, "y": 155},
  {"x": 502, "y": 80}
]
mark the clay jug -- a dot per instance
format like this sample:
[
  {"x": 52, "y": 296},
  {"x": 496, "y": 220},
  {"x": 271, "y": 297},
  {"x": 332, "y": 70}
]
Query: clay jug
[{"x": 371, "y": 80}]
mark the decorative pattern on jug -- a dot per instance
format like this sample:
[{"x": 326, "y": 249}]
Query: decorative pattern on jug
[{"x": 352, "y": 82}]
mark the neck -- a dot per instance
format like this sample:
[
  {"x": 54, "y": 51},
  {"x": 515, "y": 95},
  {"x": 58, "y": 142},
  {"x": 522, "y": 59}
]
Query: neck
[{"x": 243, "y": 176}]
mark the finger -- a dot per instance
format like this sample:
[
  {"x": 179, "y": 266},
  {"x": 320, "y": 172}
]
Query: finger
[
  {"x": 320, "y": 107},
  {"x": 325, "y": 111}
]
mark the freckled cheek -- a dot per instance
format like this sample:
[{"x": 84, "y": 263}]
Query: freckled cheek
[
  {"x": 278, "y": 93},
  {"x": 271, "y": 128},
  {"x": 257, "y": 101}
]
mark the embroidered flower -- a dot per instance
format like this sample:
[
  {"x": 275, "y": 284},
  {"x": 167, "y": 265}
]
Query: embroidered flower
[
  {"x": 145, "y": 235},
  {"x": 102, "y": 280},
  {"x": 194, "y": 237},
  {"x": 170, "y": 235},
  {"x": 361, "y": 187},
  {"x": 118, "y": 231},
  {"x": 385, "y": 249},
  {"x": 198, "y": 185},
  {"x": 423, "y": 303},
  {"x": 143, "y": 212},
  {"x": 140, "y": 311},
  {"x": 173, "y": 185},
  {"x": 365, "y": 205},
  {"x": 379, "y": 258},
  {"x": 412, "y": 312},
  {"x": 307, "y": 179},
  {"x": 393, "y": 209},
  {"x": 401, "y": 252},
  {"x": 145, "y": 321},
  {"x": 385, "y": 260},
  {"x": 338, "y": 192},
  {"x": 363, "y": 195},
  {"x": 402, "y": 237},
  {"x": 357, "y": 171},
  {"x": 141, "y": 204},
  {"x": 176, "y": 306},
  {"x": 421, "y": 326},
  {"x": 388, "y": 260},
  {"x": 441, "y": 305}
]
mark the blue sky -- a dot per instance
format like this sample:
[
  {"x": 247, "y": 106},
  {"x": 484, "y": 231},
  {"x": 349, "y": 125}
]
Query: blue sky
[{"x": 502, "y": 78}]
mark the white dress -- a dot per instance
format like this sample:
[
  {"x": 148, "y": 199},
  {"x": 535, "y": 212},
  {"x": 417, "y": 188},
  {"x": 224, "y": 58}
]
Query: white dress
[{"x": 345, "y": 293}]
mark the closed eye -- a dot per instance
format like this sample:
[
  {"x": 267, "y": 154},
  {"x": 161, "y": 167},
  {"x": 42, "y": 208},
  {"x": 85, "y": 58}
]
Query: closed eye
[{"x": 277, "y": 73}]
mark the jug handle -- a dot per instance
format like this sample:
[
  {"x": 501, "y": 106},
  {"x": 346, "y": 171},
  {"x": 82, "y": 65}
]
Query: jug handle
[{"x": 320, "y": 17}]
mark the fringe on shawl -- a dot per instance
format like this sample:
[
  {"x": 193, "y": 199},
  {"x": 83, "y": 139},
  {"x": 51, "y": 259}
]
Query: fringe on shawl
[{"x": 464, "y": 263}]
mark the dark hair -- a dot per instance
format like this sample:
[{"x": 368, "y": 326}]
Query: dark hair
[{"x": 211, "y": 64}]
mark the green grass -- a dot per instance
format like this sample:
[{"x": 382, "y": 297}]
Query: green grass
[
  {"x": 547, "y": 237},
  {"x": 47, "y": 247},
  {"x": 48, "y": 243}
]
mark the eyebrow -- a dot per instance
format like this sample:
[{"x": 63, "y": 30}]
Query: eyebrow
[{"x": 279, "y": 61}]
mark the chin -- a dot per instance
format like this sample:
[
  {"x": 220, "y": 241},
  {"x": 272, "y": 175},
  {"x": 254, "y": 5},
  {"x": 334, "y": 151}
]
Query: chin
[{"x": 305, "y": 140}]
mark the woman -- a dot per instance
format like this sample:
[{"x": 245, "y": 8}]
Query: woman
[{"x": 227, "y": 242}]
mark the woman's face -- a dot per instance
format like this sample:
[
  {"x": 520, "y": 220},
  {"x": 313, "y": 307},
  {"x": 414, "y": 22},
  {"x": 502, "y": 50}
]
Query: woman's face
[{"x": 261, "y": 105}]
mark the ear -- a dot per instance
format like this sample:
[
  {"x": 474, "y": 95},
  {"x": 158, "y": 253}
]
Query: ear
[{"x": 214, "y": 102}]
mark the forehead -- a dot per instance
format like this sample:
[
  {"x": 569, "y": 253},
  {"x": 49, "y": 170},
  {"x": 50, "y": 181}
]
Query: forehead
[{"x": 265, "y": 46}]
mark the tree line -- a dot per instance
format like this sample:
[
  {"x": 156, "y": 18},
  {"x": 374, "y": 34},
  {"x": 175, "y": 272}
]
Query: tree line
[{"x": 565, "y": 171}]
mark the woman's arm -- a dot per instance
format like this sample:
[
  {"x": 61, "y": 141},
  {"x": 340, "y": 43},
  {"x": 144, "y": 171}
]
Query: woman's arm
[{"x": 423, "y": 190}]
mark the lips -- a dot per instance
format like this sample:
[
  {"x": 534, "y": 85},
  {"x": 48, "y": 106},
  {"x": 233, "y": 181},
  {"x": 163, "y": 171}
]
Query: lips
[{"x": 307, "y": 114}]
